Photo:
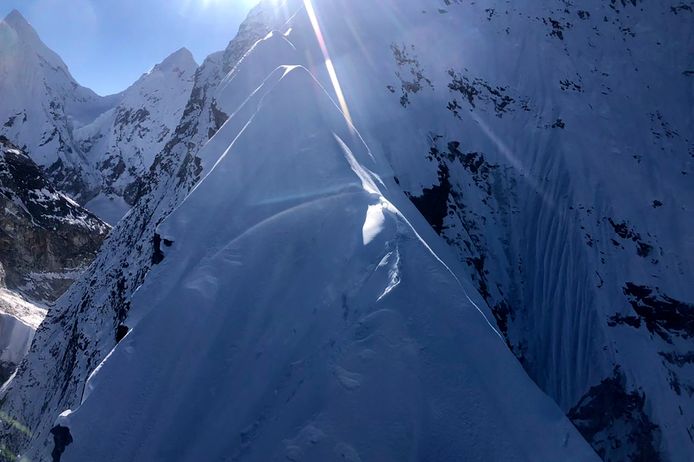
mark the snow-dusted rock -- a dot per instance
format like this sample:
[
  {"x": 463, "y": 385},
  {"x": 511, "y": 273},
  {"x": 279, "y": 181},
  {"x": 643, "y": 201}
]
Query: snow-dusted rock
[
  {"x": 41, "y": 104},
  {"x": 46, "y": 239},
  {"x": 123, "y": 142}
]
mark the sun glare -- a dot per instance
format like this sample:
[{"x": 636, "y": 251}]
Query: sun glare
[{"x": 328, "y": 61}]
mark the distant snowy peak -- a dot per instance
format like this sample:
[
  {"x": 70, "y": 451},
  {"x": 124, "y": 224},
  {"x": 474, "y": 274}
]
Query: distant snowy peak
[
  {"x": 40, "y": 104},
  {"x": 122, "y": 143},
  {"x": 180, "y": 61},
  {"x": 25, "y": 37},
  {"x": 25, "y": 56},
  {"x": 94, "y": 148}
]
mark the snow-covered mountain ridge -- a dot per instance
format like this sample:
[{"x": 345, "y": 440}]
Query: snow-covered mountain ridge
[
  {"x": 282, "y": 278},
  {"x": 95, "y": 148}
]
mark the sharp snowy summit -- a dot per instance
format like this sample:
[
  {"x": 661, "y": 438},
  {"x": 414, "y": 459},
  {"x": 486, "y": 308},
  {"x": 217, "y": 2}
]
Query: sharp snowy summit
[
  {"x": 380, "y": 231},
  {"x": 41, "y": 104},
  {"x": 123, "y": 142}
]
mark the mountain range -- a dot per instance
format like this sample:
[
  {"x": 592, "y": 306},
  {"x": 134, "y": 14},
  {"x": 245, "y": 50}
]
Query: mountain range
[
  {"x": 97, "y": 149},
  {"x": 373, "y": 231}
]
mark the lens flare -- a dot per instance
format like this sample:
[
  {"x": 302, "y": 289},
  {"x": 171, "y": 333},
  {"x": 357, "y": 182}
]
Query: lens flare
[{"x": 328, "y": 61}]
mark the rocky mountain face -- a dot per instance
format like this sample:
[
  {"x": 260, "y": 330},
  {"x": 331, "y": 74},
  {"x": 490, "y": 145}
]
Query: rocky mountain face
[
  {"x": 569, "y": 198},
  {"x": 45, "y": 237},
  {"x": 46, "y": 241},
  {"x": 97, "y": 149},
  {"x": 524, "y": 166}
]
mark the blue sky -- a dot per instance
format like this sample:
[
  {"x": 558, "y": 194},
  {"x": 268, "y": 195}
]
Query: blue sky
[{"x": 108, "y": 44}]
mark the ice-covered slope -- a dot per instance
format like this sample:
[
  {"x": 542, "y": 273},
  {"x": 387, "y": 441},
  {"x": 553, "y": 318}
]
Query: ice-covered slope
[
  {"x": 41, "y": 103},
  {"x": 549, "y": 180},
  {"x": 123, "y": 142}
]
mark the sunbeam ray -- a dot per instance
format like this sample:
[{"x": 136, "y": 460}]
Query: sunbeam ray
[{"x": 328, "y": 61}]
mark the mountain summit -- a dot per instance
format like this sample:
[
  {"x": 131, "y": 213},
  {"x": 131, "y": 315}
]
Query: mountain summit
[
  {"x": 179, "y": 59},
  {"x": 123, "y": 142},
  {"x": 42, "y": 103},
  {"x": 17, "y": 21}
]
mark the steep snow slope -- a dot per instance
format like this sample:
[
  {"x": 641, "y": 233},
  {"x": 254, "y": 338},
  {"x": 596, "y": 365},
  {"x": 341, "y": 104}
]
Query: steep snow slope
[
  {"x": 123, "y": 142},
  {"x": 18, "y": 322},
  {"x": 315, "y": 319},
  {"x": 587, "y": 271},
  {"x": 82, "y": 328}
]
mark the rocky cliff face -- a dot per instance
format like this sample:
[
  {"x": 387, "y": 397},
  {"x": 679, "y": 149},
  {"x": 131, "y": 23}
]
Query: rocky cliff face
[
  {"x": 46, "y": 239},
  {"x": 124, "y": 141}
]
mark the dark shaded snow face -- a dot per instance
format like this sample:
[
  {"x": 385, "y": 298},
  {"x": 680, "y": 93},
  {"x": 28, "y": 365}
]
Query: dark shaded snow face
[{"x": 479, "y": 209}]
